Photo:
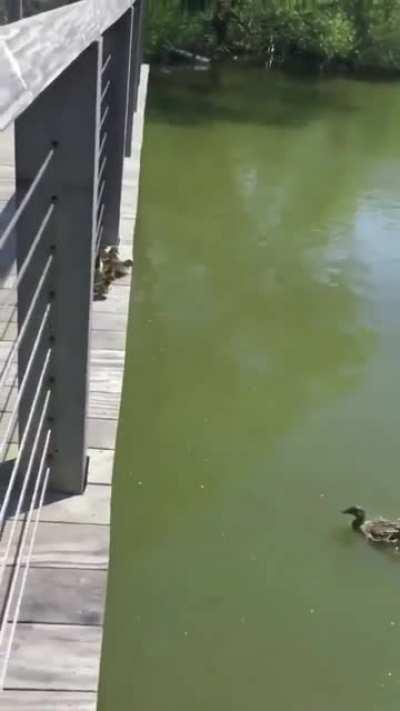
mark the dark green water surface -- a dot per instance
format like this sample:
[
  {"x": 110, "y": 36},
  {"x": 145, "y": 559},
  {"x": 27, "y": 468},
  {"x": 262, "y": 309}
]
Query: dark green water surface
[{"x": 262, "y": 396}]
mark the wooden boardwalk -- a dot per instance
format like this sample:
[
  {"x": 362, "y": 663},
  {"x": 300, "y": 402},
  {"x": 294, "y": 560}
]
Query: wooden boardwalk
[{"x": 56, "y": 654}]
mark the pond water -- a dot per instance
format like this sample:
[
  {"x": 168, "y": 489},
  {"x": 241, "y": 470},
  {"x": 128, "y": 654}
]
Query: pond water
[{"x": 261, "y": 398}]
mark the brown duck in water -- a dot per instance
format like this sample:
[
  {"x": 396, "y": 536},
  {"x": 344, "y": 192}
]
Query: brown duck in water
[{"x": 379, "y": 530}]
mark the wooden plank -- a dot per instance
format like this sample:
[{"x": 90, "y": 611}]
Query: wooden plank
[
  {"x": 8, "y": 397},
  {"x": 101, "y": 465},
  {"x": 122, "y": 284},
  {"x": 8, "y": 331},
  {"x": 102, "y": 379},
  {"x": 102, "y": 434},
  {"x": 7, "y": 158},
  {"x": 57, "y": 596},
  {"x": 112, "y": 340},
  {"x": 11, "y": 375},
  {"x": 12, "y": 452},
  {"x": 105, "y": 322},
  {"x": 7, "y": 279},
  {"x": 104, "y": 405},
  {"x": 67, "y": 545},
  {"x": 106, "y": 357},
  {"x": 47, "y": 701},
  {"x": 55, "y": 657},
  {"x": 8, "y": 311},
  {"x": 126, "y": 230},
  {"x": 116, "y": 302},
  {"x": 5, "y": 348},
  {"x": 92, "y": 507},
  {"x": 104, "y": 369},
  {"x": 4, "y": 424}
]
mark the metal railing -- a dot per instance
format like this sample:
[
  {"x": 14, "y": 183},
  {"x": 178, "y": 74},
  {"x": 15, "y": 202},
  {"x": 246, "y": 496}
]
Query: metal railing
[
  {"x": 13, "y": 10},
  {"x": 73, "y": 119}
]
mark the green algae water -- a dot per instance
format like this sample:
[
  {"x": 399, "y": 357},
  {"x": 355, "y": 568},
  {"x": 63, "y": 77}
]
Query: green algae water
[{"x": 261, "y": 398}]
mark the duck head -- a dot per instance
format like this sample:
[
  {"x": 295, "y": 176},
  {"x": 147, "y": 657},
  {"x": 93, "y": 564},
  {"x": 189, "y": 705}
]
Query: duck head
[{"x": 359, "y": 515}]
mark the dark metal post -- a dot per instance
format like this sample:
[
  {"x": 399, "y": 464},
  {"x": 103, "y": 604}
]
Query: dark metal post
[
  {"x": 117, "y": 44},
  {"x": 135, "y": 67},
  {"x": 14, "y": 10},
  {"x": 66, "y": 116}
]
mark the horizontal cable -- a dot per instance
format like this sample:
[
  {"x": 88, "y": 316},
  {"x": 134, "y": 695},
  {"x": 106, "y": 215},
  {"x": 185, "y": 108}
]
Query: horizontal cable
[
  {"x": 24, "y": 439},
  {"x": 10, "y": 302},
  {"x": 38, "y": 504},
  {"x": 21, "y": 498},
  {"x": 99, "y": 236},
  {"x": 106, "y": 64},
  {"x": 14, "y": 415},
  {"x": 102, "y": 168},
  {"x": 25, "y": 324},
  {"x": 36, "y": 240},
  {"x": 101, "y": 192},
  {"x": 105, "y": 90},
  {"x": 105, "y": 115},
  {"x": 13, "y": 222},
  {"x": 103, "y": 142},
  {"x": 100, "y": 219}
]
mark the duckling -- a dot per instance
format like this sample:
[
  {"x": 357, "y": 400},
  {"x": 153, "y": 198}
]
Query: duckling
[
  {"x": 101, "y": 284},
  {"x": 378, "y": 530},
  {"x": 101, "y": 290},
  {"x": 113, "y": 266}
]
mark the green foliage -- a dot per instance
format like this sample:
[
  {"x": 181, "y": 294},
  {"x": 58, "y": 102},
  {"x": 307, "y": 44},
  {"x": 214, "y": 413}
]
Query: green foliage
[
  {"x": 362, "y": 33},
  {"x": 177, "y": 23},
  {"x": 378, "y": 32}
]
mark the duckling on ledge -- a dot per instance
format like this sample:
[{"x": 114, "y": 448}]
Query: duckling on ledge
[
  {"x": 113, "y": 266},
  {"x": 377, "y": 530}
]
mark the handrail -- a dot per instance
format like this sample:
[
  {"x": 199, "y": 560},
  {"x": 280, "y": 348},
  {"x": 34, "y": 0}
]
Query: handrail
[{"x": 36, "y": 50}]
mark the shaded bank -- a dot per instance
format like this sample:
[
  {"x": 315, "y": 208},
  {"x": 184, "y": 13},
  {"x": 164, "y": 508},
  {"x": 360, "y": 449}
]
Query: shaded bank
[{"x": 345, "y": 35}]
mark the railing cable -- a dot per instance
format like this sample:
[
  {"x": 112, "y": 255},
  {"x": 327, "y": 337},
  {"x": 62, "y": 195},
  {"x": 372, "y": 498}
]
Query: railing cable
[
  {"x": 103, "y": 142},
  {"x": 101, "y": 191},
  {"x": 100, "y": 217},
  {"x": 35, "y": 242},
  {"x": 28, "y": 557},
  {"x": 102, "y": 168},
  {"x": 25, "y": 324},
  {"x": 24, "y": 439},
  {"x": 21, "y": 498},
  {"x": 106, "y": 64},
  {"x": 104, "y": 117},
  {"x": 105, "y": 90},
  {"x": 14, "y": 415},
  {"x": 99, "y": 236},
  {"x": 13, "y": 222},
  {"x": 10, "y": 302}
]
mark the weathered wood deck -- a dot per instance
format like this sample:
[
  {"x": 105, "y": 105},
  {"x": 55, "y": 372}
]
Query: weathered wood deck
[{"x": 56, "y": 654}]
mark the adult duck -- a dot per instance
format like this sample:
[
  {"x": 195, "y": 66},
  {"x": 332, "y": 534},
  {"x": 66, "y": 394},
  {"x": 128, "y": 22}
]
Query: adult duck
[{"x": 379, "y": 530}]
